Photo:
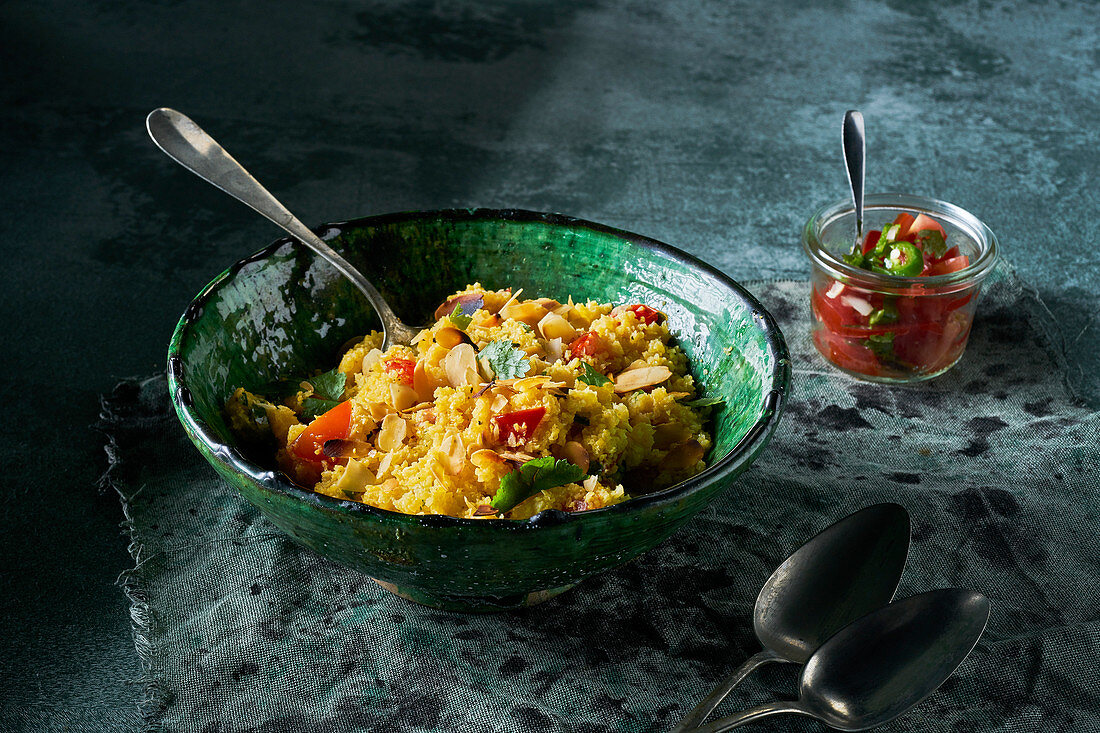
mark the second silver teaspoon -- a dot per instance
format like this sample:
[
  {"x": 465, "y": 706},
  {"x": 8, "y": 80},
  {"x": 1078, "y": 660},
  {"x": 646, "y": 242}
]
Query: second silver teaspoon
[
  {"x": 189, "y": 145},
  {"x": 847, "y": 570}
]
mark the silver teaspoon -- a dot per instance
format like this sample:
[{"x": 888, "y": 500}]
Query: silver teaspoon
[
  {"x": 880, "y": 666},
  {"x": 855, "y": 157},
  {"x": 847, "y": 570},
  {"x": 189, "y": 145}
]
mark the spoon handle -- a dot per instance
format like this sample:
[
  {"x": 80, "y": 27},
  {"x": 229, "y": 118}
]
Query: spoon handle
[
  {"x": 703, "y": 709},
  {"x": 751, "y": 715},
  {"x": 855, "y": 155},
  {"x": 189, "y": 145}
]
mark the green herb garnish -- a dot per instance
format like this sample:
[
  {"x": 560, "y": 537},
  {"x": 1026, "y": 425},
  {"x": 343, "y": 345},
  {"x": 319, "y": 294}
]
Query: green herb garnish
[
  {"x": 705, "y": 402},
  {"x": 932, "y": 242},
  {"x": 459, "y": 319},
  {"x": 533, "y": 477},
  {"x": 328, "y": 391},
  {"x": 591, "y": 376},
  {"x": 505, "y": 359}
]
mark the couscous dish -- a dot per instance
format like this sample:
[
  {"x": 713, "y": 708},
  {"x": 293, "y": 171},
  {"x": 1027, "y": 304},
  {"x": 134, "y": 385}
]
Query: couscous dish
[{"x": 504, "y": 407}]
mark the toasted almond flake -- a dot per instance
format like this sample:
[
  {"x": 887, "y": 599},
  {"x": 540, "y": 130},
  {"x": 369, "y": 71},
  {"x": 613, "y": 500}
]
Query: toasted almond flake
[
  {"x": 379, "y": 410},
  {"x": 452, "y": 453},
  {"x": 439, "y": 472},
  {"x": 484, "y": 510},
  {"x": 458, "y": 364},
  {"x": 553, "y": 326},
  {"x": 402, "y": 396},
  {"x": 485, "y": 457},
  {"x": 589, "y": 483},
  {"x": 384, "y": 464},
  {"x": 555, "y": 350},
  {"x": 424, "y": 383},
  {"x": 449, "y": 337},
  {"x": 683, "y": 455},
  {"x": 513, "y": 299},
  {"x": 499, "y": 403},
  {"x": 516, "y": 456},
  {"x": 418, "y": 407},
  {"x": 371, "y": 358},
  {"x": 636, "y": 364},
  {"x": 528, "y": 383},
  {"x": 576, "y": 454},
  {"x": 355, "y": 478},
  {"x": 392, "y": 435},
  {"x": 679, "y": 395},
  {"x": 641, "y": 378},
  {"x": 528, "y": 312}
]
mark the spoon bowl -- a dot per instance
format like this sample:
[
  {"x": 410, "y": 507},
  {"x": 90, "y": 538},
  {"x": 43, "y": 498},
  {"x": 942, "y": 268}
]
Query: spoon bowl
[
  {"x": 878, "y": 667},
  {"x": 190, "y": 146},
  {"x": 847, "y": 570}
]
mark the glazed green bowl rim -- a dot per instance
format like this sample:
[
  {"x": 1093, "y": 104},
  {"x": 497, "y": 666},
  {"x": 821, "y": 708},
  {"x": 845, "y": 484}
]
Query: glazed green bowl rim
[{"x": 774, "y": 384}]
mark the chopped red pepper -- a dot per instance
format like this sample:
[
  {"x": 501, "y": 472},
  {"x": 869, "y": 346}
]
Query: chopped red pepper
[
  {"x": 518, "y": 427},
  {"x": 643, "y": 313},
  {"x": 332, "y": 425},
  {"x": 586, "y": 344},
  {"x": 402, "y": 368}
]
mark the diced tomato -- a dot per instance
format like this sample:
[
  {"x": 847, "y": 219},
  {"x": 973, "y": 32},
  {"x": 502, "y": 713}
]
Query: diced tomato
[
  {"x": 953, "y": 252},
  {"x": 847, "y": 354},
  {"x": 905, "y": 222},
  {"x": 332, "y": 425},
  {"x": 518, "y": 427},
  {"x": 951, "y": 264},
  {"x": 586, "y": 344},
  {"x": 923, "y": 222},
  {"x": 402, "y": 368},
  {"x": 870, "y": 240},
  {"x": 644, "y": 313}
]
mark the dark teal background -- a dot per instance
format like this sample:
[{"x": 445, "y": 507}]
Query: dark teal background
[{"x": 713, "y": 126}]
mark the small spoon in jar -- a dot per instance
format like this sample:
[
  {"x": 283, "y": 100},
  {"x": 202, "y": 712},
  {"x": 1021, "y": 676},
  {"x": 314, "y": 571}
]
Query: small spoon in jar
[
  {"x": 190, "y": 146},
  {"x": 855, "y": 157},
  {"x": 847, "y": 570},
  {"x": 878, "y": 667}
]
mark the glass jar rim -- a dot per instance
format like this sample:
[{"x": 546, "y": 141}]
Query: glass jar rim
[{"x": 958, "y": 217}]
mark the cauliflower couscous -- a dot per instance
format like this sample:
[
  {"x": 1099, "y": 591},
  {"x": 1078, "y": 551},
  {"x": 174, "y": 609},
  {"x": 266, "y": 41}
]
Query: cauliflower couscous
[{"x": 504, "y": 407}]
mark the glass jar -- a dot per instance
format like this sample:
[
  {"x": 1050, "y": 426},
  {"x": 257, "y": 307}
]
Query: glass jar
[{"x": 888, "y": 328}]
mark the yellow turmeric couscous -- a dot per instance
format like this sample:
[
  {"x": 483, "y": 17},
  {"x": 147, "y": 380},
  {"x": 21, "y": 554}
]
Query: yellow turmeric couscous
[{"x": 503, "y": 408}]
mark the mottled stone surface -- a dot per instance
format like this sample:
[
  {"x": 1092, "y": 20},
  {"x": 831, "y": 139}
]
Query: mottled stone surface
[{"x": 709, "y": 125}]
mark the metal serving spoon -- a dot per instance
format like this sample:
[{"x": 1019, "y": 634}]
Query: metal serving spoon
[
  {"x": 878, "y": 667},
  {"x": 847, "y": 570},
  {"x": 855, "y": 156},
  {"x": 190, "y": 146}
]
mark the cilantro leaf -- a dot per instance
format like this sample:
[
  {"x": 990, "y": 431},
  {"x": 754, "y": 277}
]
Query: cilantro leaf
[
  {"x": 328, "y": 390},
  {"x": 505, "y": 359},
  {"x": 705, "y": 402},
  {"x": 330, "y": 385},
  {"x": 313, "y": 407},
  {"x": 460, "y": 319},
  {"x": 932, "y": 242},
  {"x": 533, "y": 477},
  {"x": 591, "y": 376}
]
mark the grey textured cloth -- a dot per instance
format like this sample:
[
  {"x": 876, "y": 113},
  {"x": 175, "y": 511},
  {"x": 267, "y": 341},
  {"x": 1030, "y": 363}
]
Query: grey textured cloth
[{"x": 241, "y": 630}]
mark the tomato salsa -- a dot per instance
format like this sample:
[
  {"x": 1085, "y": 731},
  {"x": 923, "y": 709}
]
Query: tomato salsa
[{"x": 911, "y": 330}]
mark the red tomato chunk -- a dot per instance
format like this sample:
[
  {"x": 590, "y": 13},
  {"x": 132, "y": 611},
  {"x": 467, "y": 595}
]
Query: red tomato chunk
[{"x": 518, "y": 427}]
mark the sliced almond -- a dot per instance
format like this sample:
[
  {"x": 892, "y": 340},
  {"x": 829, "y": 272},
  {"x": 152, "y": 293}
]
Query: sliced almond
[
  {"x": 449, "y": 337},
  {"x": 589, "y": 483},
  {"x": 402, "y": 396},
  {"x": 514, "y": 298},
  {"x": 484, "y": 510},
  {"x": 555, "y": 350},
  {"x": 516, "y": 456},
  {"x": 458, "y": 364},
  {"x": 528, "y": 312},
  {"x": 392, "y": 434},
  {"x": 424, "y": 383},
  {"x": 379, "y": 410},
  {"x": 682, "y": 456},
  {"x": 452, "y": 453},
  {"x": 679, "y": 395},
  {"x": 641, "y": 378},
  {"x": 499, "y": 403},
  {"x": 384, "y": 464},
  {"x": 355, "y": 478},
  {"x": 485, "y": 457},
  {"x": 553, "y": 326},
  {"x": 371, "y": 358},
  {"x": 636, "y": 364},
  {"x": 576, "y": 454}
]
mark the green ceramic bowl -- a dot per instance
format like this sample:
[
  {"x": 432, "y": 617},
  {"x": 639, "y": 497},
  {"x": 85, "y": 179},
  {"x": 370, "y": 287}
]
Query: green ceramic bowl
[{"x": 284, "y": 312}]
